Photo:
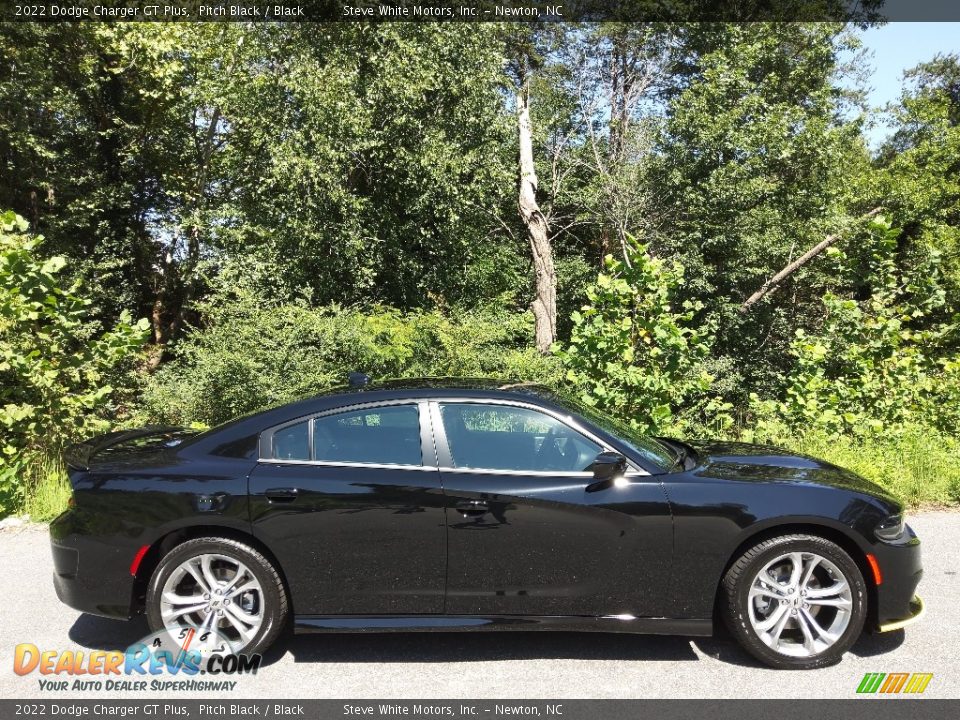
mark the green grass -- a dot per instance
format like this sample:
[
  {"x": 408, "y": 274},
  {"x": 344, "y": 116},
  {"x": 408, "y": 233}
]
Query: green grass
[
  {"x": 919, "y": 466},
  {"x": 47, "y": 489}
]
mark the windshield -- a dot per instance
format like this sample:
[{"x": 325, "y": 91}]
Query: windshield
[{"x": 653, "y": 451}]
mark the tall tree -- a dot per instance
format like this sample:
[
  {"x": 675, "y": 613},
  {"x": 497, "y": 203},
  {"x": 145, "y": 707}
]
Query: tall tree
[
  {"x": 620, "y": 71},
  {"x": 350, "y": 163},
  {"x": 113, "y": 146},
  {"x": 379, "y": 167},
  {"x": 756, "y": 164},
  {"x": 918, "y": 176},
  {"x": 544, "y": 304},
  {"x": 525, "y": 54}
]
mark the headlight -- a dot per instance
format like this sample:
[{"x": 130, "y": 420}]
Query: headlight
[{"x": 891, "y": 528}]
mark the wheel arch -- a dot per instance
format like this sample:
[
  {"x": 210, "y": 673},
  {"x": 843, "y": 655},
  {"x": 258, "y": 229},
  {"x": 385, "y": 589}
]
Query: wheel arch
[
  {"x": 163, "y": 545},
  {"x": 841, "y": 536}
]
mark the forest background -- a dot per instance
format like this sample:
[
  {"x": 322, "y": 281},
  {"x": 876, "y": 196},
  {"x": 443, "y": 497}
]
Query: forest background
[{"x": 684, "y": 225}]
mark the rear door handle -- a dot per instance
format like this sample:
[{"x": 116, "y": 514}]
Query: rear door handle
[
  {"x": 473, "y": 507},
  {"x": 281, "y": 495}
]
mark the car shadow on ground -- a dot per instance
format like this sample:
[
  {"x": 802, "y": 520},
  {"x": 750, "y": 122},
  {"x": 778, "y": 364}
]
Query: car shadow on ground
[
  {"x": 99, "y": 633},
  {"x": 441, "y": 647},
  {"x": 724, "y": 648}
]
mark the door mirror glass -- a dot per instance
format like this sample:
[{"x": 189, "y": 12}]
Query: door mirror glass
[{"x": 608, "y": 465}]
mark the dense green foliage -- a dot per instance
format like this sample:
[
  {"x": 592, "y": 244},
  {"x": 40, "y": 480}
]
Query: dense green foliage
[
  {"x": 287, "y": 203},
  {"x": 632, "y": 352},
  {"x": 255, "y": 354},
  {"x": 755, "y": 168},
  {"x": 55, "y": 365},
  {"x": 878, "y": 366}
]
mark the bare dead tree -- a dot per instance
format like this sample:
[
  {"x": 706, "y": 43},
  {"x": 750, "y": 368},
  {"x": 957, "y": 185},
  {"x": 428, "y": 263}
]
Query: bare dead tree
[
  {"x": 544, "y": 303},
  {"x": 618, "y": 68}
]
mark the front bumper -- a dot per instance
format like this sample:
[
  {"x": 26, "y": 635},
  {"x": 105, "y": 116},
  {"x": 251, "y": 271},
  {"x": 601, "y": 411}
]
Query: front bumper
[
  {"x": 897, "y": 602},
  {"x": 916, "y": 612}
]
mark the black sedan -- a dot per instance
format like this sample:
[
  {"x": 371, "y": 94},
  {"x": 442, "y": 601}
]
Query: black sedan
[{"x": 469, "y": 505}]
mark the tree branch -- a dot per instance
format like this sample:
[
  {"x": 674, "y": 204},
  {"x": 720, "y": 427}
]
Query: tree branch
[{"x": 771, "y": 284}]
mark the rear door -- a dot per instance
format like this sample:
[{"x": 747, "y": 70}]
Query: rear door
[
  {"x": 350, "y": 502},
  {"x": 529, "y": 533}
]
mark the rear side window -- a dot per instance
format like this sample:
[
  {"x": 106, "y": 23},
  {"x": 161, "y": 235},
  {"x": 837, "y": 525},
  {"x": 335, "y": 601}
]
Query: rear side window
[
  {"x": 384, "y": 435},
  {"x": 292, "y": 442},
  {"x": 245, "y": 447}
]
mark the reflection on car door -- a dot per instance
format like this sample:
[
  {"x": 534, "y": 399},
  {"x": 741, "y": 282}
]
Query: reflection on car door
[
  {"x": 526, "y": 533},
  {"x": 351, "y": 505}
]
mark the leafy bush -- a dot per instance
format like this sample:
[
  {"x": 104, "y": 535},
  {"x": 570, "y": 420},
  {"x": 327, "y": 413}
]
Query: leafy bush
[
  {"x": 878, "y": 365},
  {"x": 253, "y": 354},
  {"x": 631, "y": 353},
  {"x": 54, "y": 363}
]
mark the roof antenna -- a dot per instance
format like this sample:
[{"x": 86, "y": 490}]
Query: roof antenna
[{"x": 358, "y": 379}]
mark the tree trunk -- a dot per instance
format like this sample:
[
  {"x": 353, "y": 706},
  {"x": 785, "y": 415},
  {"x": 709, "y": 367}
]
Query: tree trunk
[{"x": 544, "y": 304}]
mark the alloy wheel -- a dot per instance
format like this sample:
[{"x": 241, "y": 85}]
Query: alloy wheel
[
  {"x": 800, "y": 604},
  {"x": 213, "y": 592}
]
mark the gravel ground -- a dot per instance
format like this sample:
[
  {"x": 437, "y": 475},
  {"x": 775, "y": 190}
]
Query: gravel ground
[{"x": 504, "y": 665}]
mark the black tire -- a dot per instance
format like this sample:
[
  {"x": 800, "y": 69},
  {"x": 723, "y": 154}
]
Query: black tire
[
  {"x": 275, "y": 604},
  {"x": 735, "y": 599}
]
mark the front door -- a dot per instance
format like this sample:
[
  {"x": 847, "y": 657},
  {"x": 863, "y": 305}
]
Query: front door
[
  {"x": 350, "y": 502},
  {"x": 529, "y": 533}
]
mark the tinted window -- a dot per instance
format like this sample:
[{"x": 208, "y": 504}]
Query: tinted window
[
  {"x": 496, "y": 437},
  {"x": 653, "y": 451},
  {"x": 385, "y": 435},
  {"x": 292, "y": 442},
  {"x": 243, "y": 448}
]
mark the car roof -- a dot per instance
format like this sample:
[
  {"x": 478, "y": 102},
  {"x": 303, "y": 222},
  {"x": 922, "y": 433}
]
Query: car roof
[
  {"x": 440, "y": 383},
  {"x": 385, "y": 390},
  {"x": 436, "y": 387}
]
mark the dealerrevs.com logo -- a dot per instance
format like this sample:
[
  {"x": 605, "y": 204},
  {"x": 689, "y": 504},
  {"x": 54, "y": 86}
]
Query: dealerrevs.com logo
[
  {"x": 150, "y": 664},
  {"x": 894, "y": 683}
]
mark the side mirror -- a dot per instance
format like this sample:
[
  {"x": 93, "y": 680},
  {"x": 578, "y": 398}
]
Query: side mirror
[{"x": 606, "y": 467}]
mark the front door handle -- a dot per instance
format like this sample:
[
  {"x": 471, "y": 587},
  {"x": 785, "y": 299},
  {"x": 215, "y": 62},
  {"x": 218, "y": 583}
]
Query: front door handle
[
  {"x": 473, "y": 507},
  {"x": 282, "y": 495}
]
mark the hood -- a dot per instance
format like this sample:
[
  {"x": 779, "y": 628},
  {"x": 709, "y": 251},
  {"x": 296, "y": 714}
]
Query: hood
[
  {"x": 124, "y": 445},
  {"x": 764, "y": 463}
]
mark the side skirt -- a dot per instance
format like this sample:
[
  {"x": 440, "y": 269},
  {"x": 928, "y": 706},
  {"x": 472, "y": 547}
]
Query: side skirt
[{"x": 456, "y": 623}]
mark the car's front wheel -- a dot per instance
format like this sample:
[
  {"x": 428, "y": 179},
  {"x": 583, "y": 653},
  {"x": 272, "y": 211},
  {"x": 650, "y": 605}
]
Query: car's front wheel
[
  {"x": 227, "y": 593},
  {"x": 795, "y": 601}
]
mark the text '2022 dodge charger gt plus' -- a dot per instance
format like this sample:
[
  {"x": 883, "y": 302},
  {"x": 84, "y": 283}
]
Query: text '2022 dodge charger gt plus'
[{"x": 470, "y": 505}]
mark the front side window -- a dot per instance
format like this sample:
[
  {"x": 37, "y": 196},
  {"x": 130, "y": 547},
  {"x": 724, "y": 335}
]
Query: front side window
[
  {"x": 384, "y": 435},
  {"x": 651, "y": 450},
  {"x": 499, "y": 437}
]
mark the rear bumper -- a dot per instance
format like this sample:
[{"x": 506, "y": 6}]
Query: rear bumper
[{"x": 88, "y": 574}]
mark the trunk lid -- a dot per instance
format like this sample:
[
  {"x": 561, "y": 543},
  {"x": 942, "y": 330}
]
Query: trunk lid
[{"x": 124, "y": 444}]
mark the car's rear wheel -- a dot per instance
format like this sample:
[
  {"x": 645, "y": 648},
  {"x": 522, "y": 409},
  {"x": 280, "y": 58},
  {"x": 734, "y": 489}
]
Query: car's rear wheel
[
  {"x": 227, "y": 592},
  {"x": 795, "y": 601}
]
